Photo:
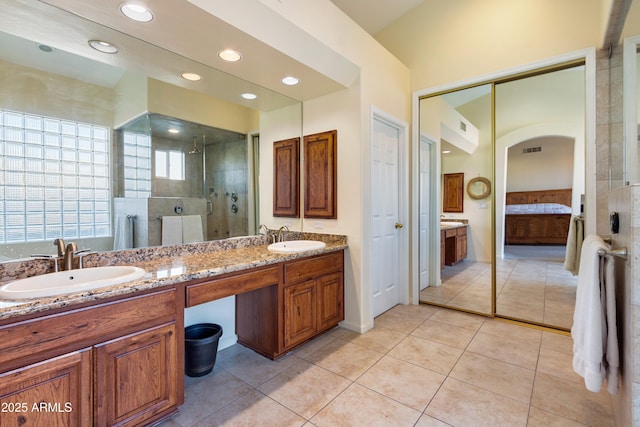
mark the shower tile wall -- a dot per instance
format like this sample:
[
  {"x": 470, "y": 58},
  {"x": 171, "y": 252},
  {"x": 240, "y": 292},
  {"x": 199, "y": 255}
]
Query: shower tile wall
[{"x": 226, "y": 173}]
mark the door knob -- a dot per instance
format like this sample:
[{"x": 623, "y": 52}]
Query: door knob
[{"x": 398, "y": 225}]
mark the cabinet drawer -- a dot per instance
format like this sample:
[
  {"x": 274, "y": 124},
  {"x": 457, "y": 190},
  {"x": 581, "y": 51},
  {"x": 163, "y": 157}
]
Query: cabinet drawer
[
  {"x": 43, "y": 337},
  {"x": 310, "y": 268},
  {"x": 461, "y": 231},
  {"x": 451, "y": 232},
  {"x": 231, "y": 285}
]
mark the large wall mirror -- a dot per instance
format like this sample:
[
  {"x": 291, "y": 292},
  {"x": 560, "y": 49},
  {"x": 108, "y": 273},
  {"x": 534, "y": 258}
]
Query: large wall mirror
[
  {"x": 102, "y": 123},
  {"x": 504, "y": 254},
  {"x": 631, "y": 100},
  {"x": 456, "y": 130}
]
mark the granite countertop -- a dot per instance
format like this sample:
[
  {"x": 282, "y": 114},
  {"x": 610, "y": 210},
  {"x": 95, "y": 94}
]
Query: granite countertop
[{"x": 173, "y": 265}]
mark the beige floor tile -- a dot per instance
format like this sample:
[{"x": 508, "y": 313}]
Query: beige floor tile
[
  {"x": 421, "y": 311},
  {"x": 510, "y": 330},
  {"x": 444, "y": 333},
  {"x": 305, "y": 388},
  {"x": 378, "y": 339},
  {"x": 557, "y": 342},
  {"x": 312, "y": 346},
  {"x": 408, "y": 384},
  {"x": 572, "y": 400},
  {"x": 397, "y": 321},
  {"x": 345, "y": 359},
  {"x": 359, "y": 406},
  {"x": 540, "y": 418},
  {"x": 253, "y": 409},
  {"x": 427, "y": 354},
  {"x": 558, "y": 364},
  {"x": 427, "y": 421},
  {"x": 499, "y": 377},
  {"x": 255, "y": 369},
  {"x": 456, "y": 318},
  {"x": 462, "y": 405},
  {"x": 506, "y": 349},
  {"x": 209, "y": 393}
]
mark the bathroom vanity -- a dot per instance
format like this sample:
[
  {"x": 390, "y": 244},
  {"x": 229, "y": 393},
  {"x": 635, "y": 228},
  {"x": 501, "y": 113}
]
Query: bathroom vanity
[
  {"x": 453, "y": 243},
  {"x": 116, "y": 356}
]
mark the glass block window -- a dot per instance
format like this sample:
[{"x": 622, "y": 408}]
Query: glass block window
[
  {"x": 137, "y": 164},
  {"x": 54, "y": 179}
]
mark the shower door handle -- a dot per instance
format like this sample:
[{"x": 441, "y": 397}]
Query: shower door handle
[{"x": 209, "y": 207}]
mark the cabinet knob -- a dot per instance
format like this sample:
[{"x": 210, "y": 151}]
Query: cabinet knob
[{"x": 398, "y": 225}]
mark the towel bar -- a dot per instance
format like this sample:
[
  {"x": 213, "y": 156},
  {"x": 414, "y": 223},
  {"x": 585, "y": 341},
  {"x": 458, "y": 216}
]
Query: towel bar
[{"x": 619, "y": 253}]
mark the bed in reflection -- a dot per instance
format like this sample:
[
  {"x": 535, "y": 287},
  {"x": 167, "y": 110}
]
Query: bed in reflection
[{"x": 539, "y": 217}]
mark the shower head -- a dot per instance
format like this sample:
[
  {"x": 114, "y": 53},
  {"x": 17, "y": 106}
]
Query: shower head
[{"x": 194, "y": 150}]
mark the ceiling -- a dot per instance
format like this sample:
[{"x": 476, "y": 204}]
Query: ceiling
[{"x": 375, "y": 15}]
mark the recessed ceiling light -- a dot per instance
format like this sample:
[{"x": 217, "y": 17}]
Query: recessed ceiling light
[
  {"x": 136, "y": 12},
  {"x": 446, "y": 151},
  {"x": 290, "y": 81},
  {"x": 191, "y": 76},
  {"x": 230, "y": 55},
  {"x": 102, "y": 46},
  {"x": 249, "y": 95},
  {"x": 173, "y": 130}
]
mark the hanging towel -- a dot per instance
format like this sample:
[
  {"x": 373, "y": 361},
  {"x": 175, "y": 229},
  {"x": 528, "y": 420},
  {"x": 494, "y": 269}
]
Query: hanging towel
[
  {"x": 171, "y": 230},
  {"x": 192, "y": 229},
  {"x": 123, "y": 234},
  {"x": 575, "y": 240},
  {"x": 595, "y": 338}
]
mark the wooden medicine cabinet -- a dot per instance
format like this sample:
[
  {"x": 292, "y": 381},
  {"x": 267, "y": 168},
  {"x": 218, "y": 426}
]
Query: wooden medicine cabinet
[
  {"x": 320, "y": 175},
  {"x": 286, "y": 178},
  {"x": 453, "y": 192}
]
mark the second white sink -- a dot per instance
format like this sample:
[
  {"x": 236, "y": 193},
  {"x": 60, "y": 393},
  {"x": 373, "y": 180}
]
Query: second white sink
[
  {"x": 295, "y": 246},
  {"x": 71, "y": 281},
  {"x": 450, "y": 223}
]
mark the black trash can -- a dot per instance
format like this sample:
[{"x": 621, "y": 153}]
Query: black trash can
[{"x": 201, "y": 348}]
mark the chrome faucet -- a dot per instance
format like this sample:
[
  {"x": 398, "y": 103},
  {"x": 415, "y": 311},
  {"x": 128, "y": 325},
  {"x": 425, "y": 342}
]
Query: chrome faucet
[
  {"x": 69, "y": 254},
  {"x": 280, "y": 231}
]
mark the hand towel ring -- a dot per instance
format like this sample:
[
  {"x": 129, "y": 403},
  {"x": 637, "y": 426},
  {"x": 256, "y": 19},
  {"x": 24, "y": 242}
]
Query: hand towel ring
[{"x": 477, "y": 195}]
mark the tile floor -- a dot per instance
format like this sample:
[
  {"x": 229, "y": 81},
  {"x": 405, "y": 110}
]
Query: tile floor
[
  {"x": 538, "y": 290},
  {"x": 419, "y": 366}
]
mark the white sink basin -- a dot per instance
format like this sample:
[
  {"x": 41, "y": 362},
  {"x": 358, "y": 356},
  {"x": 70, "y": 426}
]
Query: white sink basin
[
  {"x": 450, "y": 223},
  {"x": 295, "y": 246},
  {"x": 67, "y": 282}
]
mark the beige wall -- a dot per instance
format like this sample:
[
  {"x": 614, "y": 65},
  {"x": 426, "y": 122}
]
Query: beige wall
[
  {"x": 384, "y": 84},
  {"x": 447, "y": 41}
]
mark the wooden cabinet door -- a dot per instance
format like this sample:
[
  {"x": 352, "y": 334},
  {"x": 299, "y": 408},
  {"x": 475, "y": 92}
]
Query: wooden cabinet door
[
  {"x": 136, "y": 377},
  {"x": 330, "y": 303},
  {"x": 56, "y": 392},
  {"x": 300, "y": 319},
  {"x": 286, "y": 178},
  {"x": 461, "y": 246},
  {"x": 453, "y": 192},
  {"x": 320, "y": 175}
]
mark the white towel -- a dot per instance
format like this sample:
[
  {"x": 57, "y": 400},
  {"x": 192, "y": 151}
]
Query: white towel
[
  {"x": 192, "y": 229},
  {"x": 171, "y": 230},
  {"x": 575, "y": 239},
  {"x": 123, "y": 233},
  {"x": 595, "y": 338}
]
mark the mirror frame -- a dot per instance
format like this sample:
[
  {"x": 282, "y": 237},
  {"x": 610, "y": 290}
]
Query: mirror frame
[{"x": 485, "y": 193}]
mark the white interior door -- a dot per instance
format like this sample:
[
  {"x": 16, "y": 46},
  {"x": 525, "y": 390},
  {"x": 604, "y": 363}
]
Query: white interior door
[
  {"x": 385, "y": 227},
  {"x": 423, "y": 220}
]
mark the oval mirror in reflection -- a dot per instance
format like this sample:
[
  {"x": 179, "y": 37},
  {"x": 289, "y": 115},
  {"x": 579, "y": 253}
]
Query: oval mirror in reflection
[{"x": 479, "y": 188}]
